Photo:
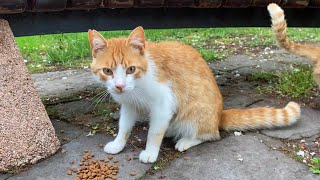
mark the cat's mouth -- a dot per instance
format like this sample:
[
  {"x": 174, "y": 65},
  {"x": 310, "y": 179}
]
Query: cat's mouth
[{"x": 119, "y": 92}]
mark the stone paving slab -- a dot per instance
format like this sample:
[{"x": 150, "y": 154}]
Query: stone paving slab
[
  {"x": 307, "y": 126},
  {"x": 235, "y": 157},
  {"x": 55, "y": 167},
  {"x": 70, "y": 110},
  {"x": 64, "y": 84},
  {"x": 66, "y": 132},
  {"x": 259, "y": 153},
  {"x": 5, "y": 176},
  {"x": 247, "y": 65}
]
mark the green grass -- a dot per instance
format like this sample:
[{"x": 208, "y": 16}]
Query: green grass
[
  {"x": 315, "y": 166},
  {"x": 295, "y": 83},
  {"x": 61, "y": 51}
]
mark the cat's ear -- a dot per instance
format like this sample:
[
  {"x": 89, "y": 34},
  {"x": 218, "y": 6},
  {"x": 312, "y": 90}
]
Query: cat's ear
[
  {"x": 97, "y": 42},
  {"x": 137, "y": 39}
]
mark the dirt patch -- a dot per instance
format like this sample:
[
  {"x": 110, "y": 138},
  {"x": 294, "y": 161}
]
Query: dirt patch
[{"x": 302, "y": 150}]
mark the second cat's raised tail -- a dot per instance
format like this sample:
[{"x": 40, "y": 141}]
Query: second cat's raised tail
[
  {"x": 259, "y": 118},
  {"x": 279, "y": 26}
]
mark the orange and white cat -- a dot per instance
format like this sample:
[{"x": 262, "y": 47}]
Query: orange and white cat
[
  {"x": 173, "y": 84},
  {"x": 279, "y": 26}
]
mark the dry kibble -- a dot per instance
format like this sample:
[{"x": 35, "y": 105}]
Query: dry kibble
[
  {"x": 187, "y": 158},
  {"x": 69, "y": 172},
  {"x": 95, "y": 169},
  {"x": 74, "y": 170},
  {"x": 101, "y": 145},
  {"x": 133, "y": 173}
]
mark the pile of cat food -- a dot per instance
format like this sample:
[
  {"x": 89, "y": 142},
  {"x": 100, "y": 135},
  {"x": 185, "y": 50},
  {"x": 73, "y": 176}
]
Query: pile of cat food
[{"x": 95, "y": 169}]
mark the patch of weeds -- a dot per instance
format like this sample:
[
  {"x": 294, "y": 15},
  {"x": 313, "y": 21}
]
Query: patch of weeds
[
  {"x": 211, "y": 55},
  {"x": 298, "y": 82},
  {"x": 304, "y": 151},
  {"x": 263, "y": 77},
  {"x": 315, "y": 165}
]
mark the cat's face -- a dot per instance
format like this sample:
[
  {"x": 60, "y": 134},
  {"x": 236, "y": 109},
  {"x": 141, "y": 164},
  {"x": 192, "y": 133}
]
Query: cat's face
[{"x": 118, "y": 63}]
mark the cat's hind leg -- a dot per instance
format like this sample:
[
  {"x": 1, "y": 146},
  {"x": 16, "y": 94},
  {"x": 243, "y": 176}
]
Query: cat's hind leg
[
  {"x": 186, "y": 132},
  {"x": 186, "y": 143},
  {"x": 188, "y": 135}
]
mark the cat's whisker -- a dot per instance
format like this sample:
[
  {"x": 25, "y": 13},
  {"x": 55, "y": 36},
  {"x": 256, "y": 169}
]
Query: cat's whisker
[
  {"x": 99, "y": 96},
  {"x": 142, "y": 98},
  {"x": 101, "y": 99},
  {"x": 133, "y": 101},
  {"x": 136, "y": 101}
]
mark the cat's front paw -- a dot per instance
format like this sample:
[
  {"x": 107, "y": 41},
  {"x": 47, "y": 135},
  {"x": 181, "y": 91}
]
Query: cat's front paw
[
  {"x": 113, "y": 147},
  {"x": 148, "y": 156}
]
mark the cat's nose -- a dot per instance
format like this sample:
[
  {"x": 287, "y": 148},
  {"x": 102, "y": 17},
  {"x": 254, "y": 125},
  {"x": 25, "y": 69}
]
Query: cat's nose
[{"x": 120, "y": 87}]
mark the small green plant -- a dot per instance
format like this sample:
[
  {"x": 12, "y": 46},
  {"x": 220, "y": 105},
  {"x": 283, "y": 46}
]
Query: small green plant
[
  {"x": 94, "y": 128},
  {"x": 294, "y": 83},
  {"x": 315, "y": 165},
  {"x": 211, "y": 55}
]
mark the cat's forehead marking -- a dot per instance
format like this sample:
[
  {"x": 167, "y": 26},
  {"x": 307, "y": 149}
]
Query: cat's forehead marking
[{"x": 117, "y": 49}]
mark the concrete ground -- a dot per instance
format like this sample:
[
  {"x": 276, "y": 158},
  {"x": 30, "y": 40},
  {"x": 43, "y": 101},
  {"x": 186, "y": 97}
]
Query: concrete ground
[{"x": 266, "y": 154}]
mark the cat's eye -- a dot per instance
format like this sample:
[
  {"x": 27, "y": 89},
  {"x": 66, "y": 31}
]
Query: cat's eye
[
  {"x": 107, "y": 71},
  {"x": 131, "y": 70}
]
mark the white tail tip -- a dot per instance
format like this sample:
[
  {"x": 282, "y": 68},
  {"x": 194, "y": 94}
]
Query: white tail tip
[{"x": 294, "y": 112}]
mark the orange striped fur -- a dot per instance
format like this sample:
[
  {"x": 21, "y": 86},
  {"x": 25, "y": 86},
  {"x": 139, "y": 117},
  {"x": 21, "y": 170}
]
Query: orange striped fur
[
  {"x": 279, "y": 26},
  {"x": 259, "y": 118}
]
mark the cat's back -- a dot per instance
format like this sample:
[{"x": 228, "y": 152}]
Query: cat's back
[
  {"x": 177, "y": 62},
  {"x": 171, "y": 54}
]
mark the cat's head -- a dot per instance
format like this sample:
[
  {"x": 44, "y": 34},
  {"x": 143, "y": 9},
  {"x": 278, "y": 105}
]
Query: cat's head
[{"x": 118, "y": 62}]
